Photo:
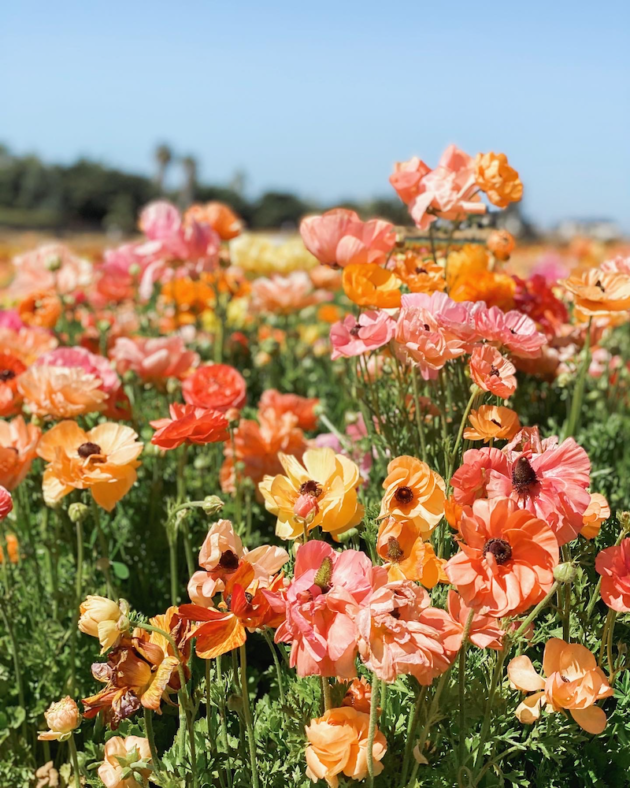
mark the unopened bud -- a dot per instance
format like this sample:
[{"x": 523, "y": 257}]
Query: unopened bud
[
  {"x": 212, "y": 504},
  {"x": 78, "y": 513},
  {"x": 565, "y": 573},
  {"x": 624, "y": 520},
  {"x": 53, "y": 263}
]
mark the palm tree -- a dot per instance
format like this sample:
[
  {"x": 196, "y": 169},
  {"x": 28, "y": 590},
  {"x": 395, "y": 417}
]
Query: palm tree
[
  {"x": 163, "y": 157},
  {"x": 189, "y": 164}
]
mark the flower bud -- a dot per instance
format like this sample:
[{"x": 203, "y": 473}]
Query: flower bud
[
  {"x": 565, "y": 573},
  {"x": 624, "y": 520},
  {"x": 78, "y": 513},
  {"x": 304, "y": 505},
  {"x": 62, "y": 718},
  {"x": 212, "y": 504},
  {"x": 53, "y": 263}
]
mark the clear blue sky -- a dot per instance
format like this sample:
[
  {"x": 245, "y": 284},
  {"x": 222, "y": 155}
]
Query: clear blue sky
[{"x": 322, "y": 97}]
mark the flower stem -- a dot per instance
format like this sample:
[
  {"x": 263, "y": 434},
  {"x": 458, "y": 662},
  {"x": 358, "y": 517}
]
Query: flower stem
[
  {"x": 172, "y": 553},
  {"x": 427, "y": 725},
  {"x": 534, "y": 613},
  {"x": 111, "y": 592},
  {"x": 276, "y": 662},
  {"x": 462, "y": 684},
  {"x": 75, "y": 761},
  {"x": 453, "y": 458},
  {"x": 411, "y": 729},
  {"x": 496, "y": 675},
  {"x": 78, "y": 595},
  {"x": 372, "y": 729},
  {"x": 419, "y": 421},
  {"x": 573, "y": 421},
  {"x": 148, "y": 725},
  {"x": 247, "y": 714},
  {"x": 16, "y": 661}
]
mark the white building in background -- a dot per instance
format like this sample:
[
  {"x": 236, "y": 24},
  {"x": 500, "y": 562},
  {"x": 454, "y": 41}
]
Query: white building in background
[{"x": 603, "y": 230}]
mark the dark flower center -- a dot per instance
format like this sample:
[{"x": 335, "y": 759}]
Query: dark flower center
[
  {"x": 499, "y": 548},
  {"x": 6, "y": 375},
  {"x": 404, "y": 495},
  {"x": 394, "y": 550},
  {"x": 355, "y": 330},
  {"x": 323, "y": 576},
  {"x": 311, "y": 488},
  {"x": 427, "y": 327},
  {"x": 395, "y": 613},
  {"x": 229, "y": 560},
  {"x": 523, "y": 475},
  {"x": 421, "y": 270},
  {"x": 86, "y": 450},
  {"x": 494, "y": 372},
  {"x": 600, "y": 285},
  {"x": 494, "y": 421}
]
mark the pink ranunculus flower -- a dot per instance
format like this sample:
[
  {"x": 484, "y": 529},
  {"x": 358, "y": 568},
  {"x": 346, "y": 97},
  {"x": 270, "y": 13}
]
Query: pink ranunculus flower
[
  {"x": 420, "y": 338},
  {"x": 50, "y": 267},
  {"x": 407, "y": 177},
  {"x": 485, "y": 631},
  {"x": 457, "y": 317},
  {"x": 447, "y": 192},
  {"x": 117, "y": 276},
  {"x": 340, "y": 238},
  {"x": 512, "y": 330},
  {"x": 350, "y": 337},
  {"x": 286, "y": 294},
  {"x": 618, "y": 265},
  {"x": 153, "y": 359},
  {"x": 326, "y": 593},
  {"x": 470, "y": 480},
  {"x": 9, "y": 318},
  {"x": 95, "y": 365},
  {"x": 613, "y": 564}
]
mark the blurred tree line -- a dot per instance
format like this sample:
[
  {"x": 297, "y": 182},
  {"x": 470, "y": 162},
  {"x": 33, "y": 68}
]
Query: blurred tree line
[{"x": 87, "y": 195}]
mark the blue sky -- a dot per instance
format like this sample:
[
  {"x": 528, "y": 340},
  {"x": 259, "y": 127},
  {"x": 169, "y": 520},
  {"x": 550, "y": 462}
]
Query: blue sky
[{"x": 323, "y": 97}]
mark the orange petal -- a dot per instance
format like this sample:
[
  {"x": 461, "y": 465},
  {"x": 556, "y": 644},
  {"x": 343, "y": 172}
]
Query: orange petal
[
  {"x": 592, "y": 720},
  {"x": 218, "y": 637},
  {"x": 523, "y": 676}
]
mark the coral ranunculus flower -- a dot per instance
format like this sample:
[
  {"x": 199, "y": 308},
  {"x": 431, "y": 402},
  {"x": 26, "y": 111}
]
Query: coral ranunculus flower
[
  {"x": 10, "y": 398},
  {"x": 102, "y": 460},
  {"x": 216, "y": 387},
  {"x": 413, "y": 492},
  {"x": 599, "y": 293},
  {"x": 338, "y": 745},
  {"x": 371, "y": 285},
  {"x": 420, "y": 338},
  {"x": 492, "y": 372},
  {"x": 574, "y": 682},
  {"x": 61, "y": 392},
  {"x": 596, "y": 513},
  {"x": 506, "y": 561},
  {"x": 121, "y": 755},
  {"x": 303, "y": 408},
  {"x": 41, "y": 309},
  {"x": 420, "y": 275},
  {"x": 353, "y": 338},
  {"x": 490, "y": 422},
  {"x": 406, "y": 555},
  {"x": 18, "y": 449},
  {"x": 62, "y": 718},
  {"x": 153, "y": 359},
  {"x": 485, "y": 631},
  {"x": 189, "y": 424},
  {"x": 322, "y": 492},
  {"x": 497, "y": 179},
  {"x": 26, "y": 343},
  {"x": 613, "y": 564},
  {"x": 219, "y": 216}
]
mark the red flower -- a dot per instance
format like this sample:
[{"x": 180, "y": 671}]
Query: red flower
[
  {"x": 613, "y": 564},
  {"x": 189, "y": 424},
  {"x": 302, "y": 407},
  {"x": 10, "y": 398},
  {"x": 215, "y": 386}
]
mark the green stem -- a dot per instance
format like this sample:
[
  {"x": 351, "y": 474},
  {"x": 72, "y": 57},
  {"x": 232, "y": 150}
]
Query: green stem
[
  {"x": 496, "y": 675},
  {"x": 534, "y": 613},
  {"x": 573, "y": 422},
  {"x": 148, "y": 726},
  {"x": 609, "y": 647},
  {"x": 248, "y": 719},
  {"x": 427, "y": 726},
  {"x": 462, "y": 426},
  {"x": 111, "y": 592},
  {"x": 372, "y": 729},
  {"x": 172, "y": 554},
  {"x": 16, "y": 660},
  {"x": 411, "y": 729},
  {"x": 419, "y": 418},
  {"x": 223, "y": 720},
  {"x": 566, "y": 593},
  {"x": 78, "y": 597},
  {"x": 75, "y": 761},
  {"x": 462, "y": 684},
  {"x": 276, "y": 662},
  {"x": 326, "y": 696}
]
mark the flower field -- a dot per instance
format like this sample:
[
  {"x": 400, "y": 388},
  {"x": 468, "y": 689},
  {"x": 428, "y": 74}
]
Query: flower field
[{"x": 348, "y": 506}]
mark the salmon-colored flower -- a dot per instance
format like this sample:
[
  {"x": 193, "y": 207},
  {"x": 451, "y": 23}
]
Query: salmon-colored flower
[
  {"x": 513, "y": 330},
  {"x": 406, "y": 555},
  {"x": 574, "y": 682},
  {"x": 407, "y": 178},
  {"x": 492, "y": 422},
  {"x": 599, "y": 293},
  {"x": 420, "y": 338},
  {"x": 219, "y": 216},
  {"x": 13, "y": 546},
  {"x": 371, "y": 285},
  {"x": 303, "y": 408},
  {"x": 340, "y": 238},
  {"x": 284, "y": 295},
  {"x": 613, "y": 564},
  {"x": 102, "y": 460},
  {"x": 61, "y": 392},
  {"x": 104, "y": 619},
  {"x": 322, "y": 492},
  {"x": 358, "y": 695},
  {"x": 338, "y": 745},
  {"x": 153, "y": 359},
  {"x": 596, "y": 513},
  {"x": 189, "y": 424},
  {"x": 419, "y": 274},
  {"x": 10, "y": 398},
  {"x": 485, "y": 631},
  {"x": 501, "y": 243},
  {"x": 50, "y": 267},
  {"x": 216, "y": 387},
  {"x": 62, "y": 718},
  {"x": 352, "y": 337},
  {"x": 506, "y": 559},
  {"x": 492, "y": 372},
  {"x": 98, "y": 366},
  {"x": 26, "y": 343},
  {"x": 497, "y": 179},
  {"x": 41, "y": 309},
  {"x": 413, "y": 492},
  {"x": 120, "y": 757},
  {"x": 396, "y": 638}
]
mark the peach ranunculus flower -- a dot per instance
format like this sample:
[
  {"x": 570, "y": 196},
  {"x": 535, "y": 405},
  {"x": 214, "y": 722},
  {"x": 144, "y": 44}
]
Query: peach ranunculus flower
[
  {"x": 62, "y": 718},
  {"x": 413, "y": 492},
  {"x": 506, "y": 561},
  {"x": 284, "y": 295},
  {"x": 358, "y": 695},
  {"x": 573, "y": 683},
  {"x": 372, "y": 286},
  {"x": 485, "y": 631},
  {"x": 322, "y": 492},
  {"x": 104, "y": 619},
  {"x": 420, "y": 338},
  {"x": 26, "y": 343},
  {"x": 418, "y": 274},
  {"x": 613, "y": 564},
  {"x": 10, "y": 398},
  {"x": 492, "y": 372},
  {"x": 501, "y": 243},
  {"x": 221, "y": 555},
  {"x": 61, "y": 392},
  {"x": 153, "y": 359},
  {"x": 406, "y": 555},
  {"x": 397, "y": 636},
  {"x": 119, "y": 757},
  {"x": 41, "y": 309},
  {"x": 303, "y": 408},
  {"x": 188, "y": 424},
  {"x": 340, "y": 238},
  {"x": 596, "y": 513},
  {"x": 18, "y": 449},
  {"x": 497, "y": 179},
  {"x": 219, "y": 216},
  {"x": 492, "y": 422},
  {"x": 52, "y": 267},
  {"x": 599, "y": 293},
  {"x": 338, "y": 745},
  {"x": 102, "y": 460}
]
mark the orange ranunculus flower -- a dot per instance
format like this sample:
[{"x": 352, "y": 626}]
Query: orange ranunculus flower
[
  {"x": 599, "y": 293},
  {"x": 189, "y": 424},
  {"x": 322, "y": 492},
  {"x": 13, "y": 549},
  {"x": 215, "y": 386},
  {"x": 492, "y": 372},
  {"x": 302, "y": 407},
  {"x": 10, "y": 398},
  {"x": 596, "y": 512},
  {"x": 191, "y": 297},
  {"x": 490, "y": 422},
  {"x": 41, "y": 309},
  {"x": 61, "y": 392},
  {"x": 506, "y": 561},
  {"x": 574, "y": 682},
  {"x": 471, "y": 260},
  {"x": 367, "y": 284},
  {"x": 358, "y": 695},
  {"x": 18, "y": 449},
  {"x": 497, "y": 179},
  {"x": 501, "y": 244},
  {"x": 420, "y": 275},
  {"x": 219, "y": 216},
  {"x": 102, "y": 460},
  {"x": 452, "y": 512},
  {"x": 493, "y": 287},
  {"x": 329, "y": 313},
  {"x": 27, "y": 344},
  {"x": 413, "y": 492},
  {"x": 338, "y": 745},
  {"x": 139, "y": 670},
  {"x": 406, "y": 555},
  {"x": 62, "y": 718}
]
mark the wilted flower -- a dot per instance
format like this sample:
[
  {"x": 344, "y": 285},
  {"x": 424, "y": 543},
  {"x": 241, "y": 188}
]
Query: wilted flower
[{"x": 62, "y": 718}]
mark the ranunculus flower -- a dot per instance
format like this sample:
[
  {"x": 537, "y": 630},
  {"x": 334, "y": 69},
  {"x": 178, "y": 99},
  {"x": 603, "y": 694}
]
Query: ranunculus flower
[
  {"x": 413, "y": 492},
  {"x": 599, "y": 293},
  {"x": 52, "y": 267},
  {"x": 41, "y": 309},
  {"x": 419, "y": 274},
  {"x": 574, "y": 682},
  {"x": 506, "y": 561},
  {"x": 219, "y": 216},
  {"x": 353, "y": 338},
  {"x": 407, "y": 556},
  {"x": 6, "y": 503},
  {"x": 153, "y": 358},
  {"x": 98, "y": 366},
  {"x": 303, "y": 408},
  {"x": 490, "y": 422},
  {"x": 371, "y": 285},
  {"x": 485, "y": 631},
  {"x": 492, "y": 372},
  {"x": 407, "y": 178},
  {"x": 18, "y": 444},
  {"x": 501, "y": 243},
  {"x": 215, "y": 386},
  {"x": 613, "y": 564},
  {"x": 123, "y": 753},
  {"x": 338, "y": 745},
  {"x": 62, "y": 718},
  {"x": 189, "y": 424},
  {"x": 340, "y": 238},
  {"x": 61, "y": 392},
  {"x": 103, "y": 619},
  {"x": 497, "y": 179},
  {"x": 420, "y": 338},
  {"x": 10, "y": 398},
  {"x": 284, "y": 295},
  {"x": 596, "y": 513},
  {"x": 512, "y": 330}
]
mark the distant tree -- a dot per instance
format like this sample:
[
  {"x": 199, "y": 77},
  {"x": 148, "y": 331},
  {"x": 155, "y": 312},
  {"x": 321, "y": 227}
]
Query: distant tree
[
  {"x": 189, "y": 163},
  {"x": 278, "y": 209},
  {"x": 163, "y": 157}
]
